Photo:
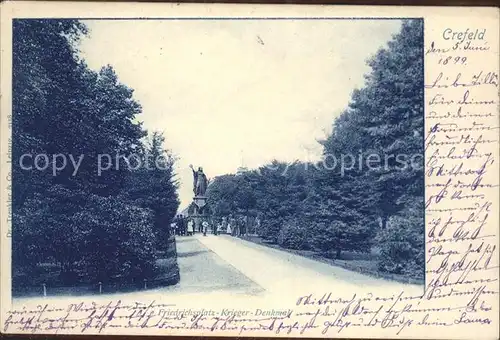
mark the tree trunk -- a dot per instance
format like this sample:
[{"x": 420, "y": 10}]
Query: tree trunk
[{"x": 337, "y": 254}]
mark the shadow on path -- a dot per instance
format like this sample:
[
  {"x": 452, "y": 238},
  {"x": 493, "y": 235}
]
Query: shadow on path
[{"x": 202, "y": 270}]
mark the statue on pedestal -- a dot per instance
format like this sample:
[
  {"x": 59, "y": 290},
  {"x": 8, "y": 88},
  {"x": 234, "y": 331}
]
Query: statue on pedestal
[{"x": 200, "y": 181}]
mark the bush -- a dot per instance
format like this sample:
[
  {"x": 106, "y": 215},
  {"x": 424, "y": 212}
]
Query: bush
[
  {"x": 293, "y": 236},
  {"x": 402, "y": 245},
  {"x": 43, "y": 229},
  {"x": 87, "y": 237},
  {"x": 270, "y": 227},
  {"x": 119, "y": 240},
  {"x": 337, "y": 236}
]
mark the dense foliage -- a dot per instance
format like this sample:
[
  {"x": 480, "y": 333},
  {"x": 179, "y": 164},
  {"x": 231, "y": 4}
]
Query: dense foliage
[
  {"x": 342, "y": 203},
  {"x": 96, "y": 225}
]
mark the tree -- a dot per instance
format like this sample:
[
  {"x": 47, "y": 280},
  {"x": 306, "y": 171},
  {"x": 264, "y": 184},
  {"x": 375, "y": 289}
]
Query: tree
[
  {"x": 44, "y": 69},
  {"x": 274, "y": 192},
  {"x": 153, "y": 186},
  {"x": 272, "y": 198},
  {"x": 106, "y": 130},
  {"x": 231, "y": 194},
  {"x": 60, "y": 106},
  {"x": 337, "y": 215},
  {"x": 221, "y": 195},
  {"x": 389, "y": 112},
  {"x": 384, "y": 121}
]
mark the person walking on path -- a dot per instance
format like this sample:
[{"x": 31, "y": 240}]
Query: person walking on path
[
  {"x": 216, "y": 227},
  {"x": 183, "y": 227},
  {"x": 234, "y": 225},
  {"x": 190, "y": 228},
  {"x": 244, "y": 226},
  {"x": 205, "y": 227},
  {"x": 224, "y": 225}
]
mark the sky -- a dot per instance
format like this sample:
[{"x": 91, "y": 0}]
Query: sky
[{"x": 231, "y": 93}]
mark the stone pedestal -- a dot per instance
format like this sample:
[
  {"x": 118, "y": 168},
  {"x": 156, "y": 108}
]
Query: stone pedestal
[
  {"x": 199, "y": 214},
  {"x": 200, "y": 203}
]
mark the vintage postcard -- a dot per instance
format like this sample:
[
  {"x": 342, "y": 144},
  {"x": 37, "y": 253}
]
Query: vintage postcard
[{"x": 249, "y": 170}]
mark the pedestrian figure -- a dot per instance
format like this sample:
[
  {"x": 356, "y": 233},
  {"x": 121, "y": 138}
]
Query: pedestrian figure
[
  {"x": 224, "y": 225},
  {"x": 190, "y": 228},
  {"x": 214, "y": 228},
  {"x": 244, "y": 226},
  {"x": 236, "y": 228},
  {"x": 232, "y": 222},
  {"x": 228, "y": 229},
  {"x": 184, "y": 227},
  {"x": 205, "y": 227}
]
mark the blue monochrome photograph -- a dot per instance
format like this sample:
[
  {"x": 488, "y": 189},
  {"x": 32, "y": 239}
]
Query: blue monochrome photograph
[{"x": 184, "y": 157}]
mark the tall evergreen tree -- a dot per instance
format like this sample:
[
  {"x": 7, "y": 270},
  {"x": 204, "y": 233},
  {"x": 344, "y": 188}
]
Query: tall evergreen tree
[
  {"x": 384, "y": 123},
  {"x": 60, "y": 106},
  {"x": 44, "y": 70},
  {"x": 153, "y": 186},
  {"x": 390, "y": 110}
]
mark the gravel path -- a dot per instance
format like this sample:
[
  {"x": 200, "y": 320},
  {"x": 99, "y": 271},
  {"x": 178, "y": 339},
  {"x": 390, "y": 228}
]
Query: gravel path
[
  {"x": 278, "y": 271},
  {"x": 202, "y": 270}
]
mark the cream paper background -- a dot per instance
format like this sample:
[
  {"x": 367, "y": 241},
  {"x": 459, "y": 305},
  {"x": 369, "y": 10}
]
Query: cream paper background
[{"x": 436, "y": 20}]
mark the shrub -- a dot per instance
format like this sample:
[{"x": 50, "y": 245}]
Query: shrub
[
  {"x": 293, "y": 236},
  {"x": 270, "y": 227},
  {"x": 338, "y": 236},
  {"x": 402, "y": 245},
  {"x": 119, "y": 240},
  {"x": 88, "y": 237},
  {"x": 43, "y": 229}
]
